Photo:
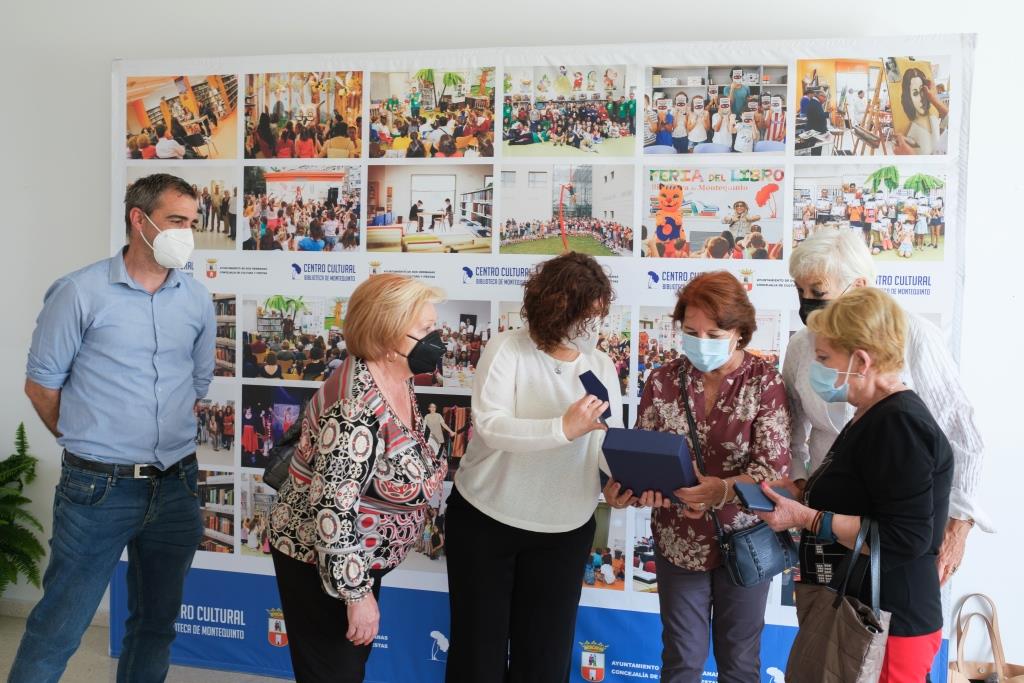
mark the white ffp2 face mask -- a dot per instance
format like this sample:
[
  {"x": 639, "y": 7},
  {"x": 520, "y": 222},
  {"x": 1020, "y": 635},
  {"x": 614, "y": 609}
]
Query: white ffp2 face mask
[
  {"x": 584, "y": 342},
  {"x": 171, "y": 247}
]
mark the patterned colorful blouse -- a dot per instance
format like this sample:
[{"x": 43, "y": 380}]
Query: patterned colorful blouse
[
  {"x": 746, "y": 432},
  {"x": 358, "y": 486}
]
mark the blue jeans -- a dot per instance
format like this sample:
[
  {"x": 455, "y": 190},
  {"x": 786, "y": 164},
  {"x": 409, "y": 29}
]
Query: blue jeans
[{"x": 94, "y": 517}]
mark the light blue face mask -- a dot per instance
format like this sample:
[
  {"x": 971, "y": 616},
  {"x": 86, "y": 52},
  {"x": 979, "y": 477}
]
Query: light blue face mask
[
  {"x": 823, "y": 381},
  {"x": 707, "y": 355}
]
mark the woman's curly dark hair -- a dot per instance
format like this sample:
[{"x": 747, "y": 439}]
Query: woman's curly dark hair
[{"x": 559, "y": 298}]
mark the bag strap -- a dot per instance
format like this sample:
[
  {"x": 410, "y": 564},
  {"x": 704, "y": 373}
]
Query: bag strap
[
  {"x": 963, "y": 628},
  {"x": 695, "y": 444},
  {"x": 995, "y": 639},
  {"x": 869, "y": 532}
]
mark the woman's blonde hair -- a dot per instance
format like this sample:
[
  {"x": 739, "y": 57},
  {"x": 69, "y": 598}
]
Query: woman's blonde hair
[
  {"x": 380, "y": 312},
  {"x": 865, "y": 319}
]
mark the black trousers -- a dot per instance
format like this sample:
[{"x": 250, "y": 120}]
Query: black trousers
[
  {"x": 316, "y": 624},
  {"x": 513, "y": 595}
]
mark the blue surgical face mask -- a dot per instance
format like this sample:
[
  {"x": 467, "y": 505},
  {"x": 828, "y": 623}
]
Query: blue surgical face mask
[
  {"x": 707, "y": 355},
  {"x": 823, "y": 381}
]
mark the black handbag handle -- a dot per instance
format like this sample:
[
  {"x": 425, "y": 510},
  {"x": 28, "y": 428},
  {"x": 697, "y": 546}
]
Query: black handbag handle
[
  {"x": 695, "y": 444},
  {"x": 869, "y": 531}
]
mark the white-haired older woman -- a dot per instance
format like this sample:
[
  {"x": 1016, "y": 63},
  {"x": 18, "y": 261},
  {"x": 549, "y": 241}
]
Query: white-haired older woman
[{"x": 825, "y": 266}]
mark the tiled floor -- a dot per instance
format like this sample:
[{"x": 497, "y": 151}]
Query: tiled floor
[{"x": 92, "y": 664}]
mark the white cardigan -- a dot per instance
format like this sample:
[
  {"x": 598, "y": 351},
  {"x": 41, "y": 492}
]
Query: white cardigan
[
  {"x": 519, "y": 468},
  {"x": 928, "y": 369}
]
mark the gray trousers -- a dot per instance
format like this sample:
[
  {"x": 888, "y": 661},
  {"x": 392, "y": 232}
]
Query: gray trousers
[{"x": 700, "y": 606}]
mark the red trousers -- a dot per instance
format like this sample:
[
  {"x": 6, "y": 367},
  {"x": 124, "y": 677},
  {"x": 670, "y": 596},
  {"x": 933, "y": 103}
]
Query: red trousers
[{"x": 909, "y": 659}]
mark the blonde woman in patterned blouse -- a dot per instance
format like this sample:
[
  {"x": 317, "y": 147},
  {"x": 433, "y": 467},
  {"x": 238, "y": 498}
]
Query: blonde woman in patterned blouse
[
  {"x": 739, "y": 404},
  {"x": 356, "y": 497}
]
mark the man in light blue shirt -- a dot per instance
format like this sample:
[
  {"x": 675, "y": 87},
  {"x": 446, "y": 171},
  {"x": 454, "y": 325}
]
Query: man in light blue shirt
[{"x": 122, "y": 350}]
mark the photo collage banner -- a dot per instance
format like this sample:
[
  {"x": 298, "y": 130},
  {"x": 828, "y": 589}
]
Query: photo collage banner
[{"x": 466, "y": 168}]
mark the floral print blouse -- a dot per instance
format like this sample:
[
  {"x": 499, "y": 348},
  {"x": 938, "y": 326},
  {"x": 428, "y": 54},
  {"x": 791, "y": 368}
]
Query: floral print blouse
[
  {"x": 746, "y": 432},
  {"x": 358, "y": 485}
]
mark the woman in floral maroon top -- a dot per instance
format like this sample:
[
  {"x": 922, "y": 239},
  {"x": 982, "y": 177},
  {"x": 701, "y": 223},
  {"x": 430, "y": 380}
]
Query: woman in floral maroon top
[{"x": 739, "y": 403}]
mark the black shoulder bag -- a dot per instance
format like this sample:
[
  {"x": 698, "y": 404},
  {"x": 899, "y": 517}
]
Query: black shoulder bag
[{"x": 753, "y": 555}]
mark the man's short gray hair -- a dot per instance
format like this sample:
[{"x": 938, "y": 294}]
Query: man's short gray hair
[{"x": 144, "y": 194}]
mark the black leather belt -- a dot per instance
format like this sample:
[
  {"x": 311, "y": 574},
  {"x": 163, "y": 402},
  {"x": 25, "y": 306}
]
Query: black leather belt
[{"x": 129, "y": 471}]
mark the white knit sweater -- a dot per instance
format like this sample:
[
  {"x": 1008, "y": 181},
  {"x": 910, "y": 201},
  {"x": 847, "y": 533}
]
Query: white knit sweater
[
  {"x": 930, "y": 371},
  {"x": 519, "y": 468}
]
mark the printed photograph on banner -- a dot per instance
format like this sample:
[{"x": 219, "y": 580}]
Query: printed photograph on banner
[
  {"x": 606, "y": 566},
  {"x": 215, "y": 228},
  {"x": 613, "y": 334},
  {"x": 448, "y": 422},
  {"x": 217, "y": 507},
  {"x": 714, "y": 213},
  {"x": 569, "y": 111},
  {"x": 551, "y": 209},
  {"x": 255, "y": 500},
  {"x": 661, "y": 340},
  {"x": 430, "y": 210},
  {"x": 181, "y": 117},
  {"x": 292, "y": 338},
  {"x": 899, "y": 211},
  {"x": 873, "y": 105},
  {"x": 216, "y": 414},
  {"x": 428, "y": 552},
  {"x": 465, "y": 330},
  {"x": 267, "y": 413},
  {"x": 645, "y": 573},
  {"x": 432, "y": 113},
  {"x": 304, "y": 115},
  {"x": 715, "y": 109},
  {"x": 304, "y": 208},
  {"x": 224, "y": 309}
]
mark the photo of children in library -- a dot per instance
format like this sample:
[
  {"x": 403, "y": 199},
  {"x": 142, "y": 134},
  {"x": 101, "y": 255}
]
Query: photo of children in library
[
  {"x": 715, "y": 109},
  {"x": 304, "y": 115},
  {"x": 432, "y": 113},
  {"x": 224, "y": 308},
  {"x": 605, "y": 567},
  {"x": 215, "y": 228},
  {"x": 217, "y": 507},
  {"x": 255, "y": 501},
  {"x": 898, "y": 211},
  {"x": 569, "y": 111},
  {"x": 465, "y": 330},
  {"x": 438, "y": 210},
  {"x": 215, "y": 426},
  {"x": 292, "y": 338},
  {"x": 613, "y": 335},
  {"x": 551, "y": 209},
  {"x": 864, "y": 107},
  {"x": 660, "y": 340},
  {"x": 713, "y": 213},
  {"x": 302, "y": 208},
  {"x": 448, "y": 422},
  {"x": 267, "y": 413},
  {"x": 181, "y": 117}
]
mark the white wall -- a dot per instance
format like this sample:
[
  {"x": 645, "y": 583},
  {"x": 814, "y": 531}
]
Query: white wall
[
  {"x": 614, "y": 195},
  {"x": 55, "y": 120}
]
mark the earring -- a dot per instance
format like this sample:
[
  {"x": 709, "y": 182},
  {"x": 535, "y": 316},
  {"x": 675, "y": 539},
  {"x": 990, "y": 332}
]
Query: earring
[{"x": 390, "y": 356}]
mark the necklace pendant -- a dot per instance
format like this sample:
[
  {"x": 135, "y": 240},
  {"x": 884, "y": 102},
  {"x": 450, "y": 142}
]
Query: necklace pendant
[{"x": 558, "y": 369}]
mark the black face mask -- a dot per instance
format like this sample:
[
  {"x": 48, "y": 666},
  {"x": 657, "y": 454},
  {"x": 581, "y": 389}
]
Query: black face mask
[
  {"x": 808, "y": 306},
  {"x": 428, "y": 350}
]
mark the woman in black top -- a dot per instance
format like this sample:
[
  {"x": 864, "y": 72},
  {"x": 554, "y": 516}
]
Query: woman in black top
[{"x": 891, "y": 463}]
